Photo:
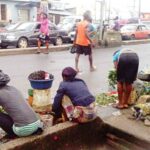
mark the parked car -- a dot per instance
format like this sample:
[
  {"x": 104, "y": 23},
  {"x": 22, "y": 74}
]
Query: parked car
[
  {"x": 12, "y": 26},
  {"x": 26, "y": 34},
  {"x": 135, "y": 31},
  {"x": 69, "y": 22},
  {"x": 2, "y": 26}
]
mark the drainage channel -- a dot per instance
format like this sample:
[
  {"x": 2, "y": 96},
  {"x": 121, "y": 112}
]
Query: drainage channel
[{"x": 95, "y": 135}]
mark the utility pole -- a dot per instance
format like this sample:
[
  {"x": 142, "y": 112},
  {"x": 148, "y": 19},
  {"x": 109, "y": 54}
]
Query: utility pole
[
  {"x": 44, "y": 6},
  {"x": 102, "y": 5},
  {"x": 139, "y": 12},
  {"x": 109, "y": 10}
]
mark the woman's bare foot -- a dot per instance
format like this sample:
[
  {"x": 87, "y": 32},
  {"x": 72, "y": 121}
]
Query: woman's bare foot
[
  {"x": 46, "y": 52},
  {"x": 93, "y": 68},
  {"x": 38, "y": 51},
  {"x": 77, "y": 70},
  {"x": 119, "y": 106},
  {"x": 125, "y": 105}
]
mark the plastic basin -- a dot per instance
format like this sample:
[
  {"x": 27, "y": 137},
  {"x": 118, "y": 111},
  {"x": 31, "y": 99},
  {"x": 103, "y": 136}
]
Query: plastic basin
[{"x": 41, "y": 84}]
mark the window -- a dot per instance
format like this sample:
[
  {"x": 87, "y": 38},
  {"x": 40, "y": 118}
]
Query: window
[
  {"x": 38, "y": 26},
  {"x": 3, "y": 15},
  {"x": 52, "y": 27},
  {"x": 144, "y": 28}
]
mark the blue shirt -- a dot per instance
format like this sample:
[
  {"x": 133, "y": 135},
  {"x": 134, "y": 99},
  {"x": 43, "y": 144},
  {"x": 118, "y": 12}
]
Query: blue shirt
[
  {"x": 116, "y": 55},
  {"x": 76, "y": 90},
  {"x": 92, "y": 30}
]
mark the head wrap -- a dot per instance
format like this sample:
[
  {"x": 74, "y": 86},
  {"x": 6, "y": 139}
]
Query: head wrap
[{"x": 69, "y": 73}]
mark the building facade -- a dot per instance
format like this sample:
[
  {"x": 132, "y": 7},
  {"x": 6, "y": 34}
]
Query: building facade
[
  {"x": 29, "y": 10},
  {"x": 18, "y": 10}
]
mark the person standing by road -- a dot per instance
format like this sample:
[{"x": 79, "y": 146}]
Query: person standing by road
[
  {"x": 44, "y": 34},
  {"x": 126, "y": 62},
  {"x": 83, "y": 41}
]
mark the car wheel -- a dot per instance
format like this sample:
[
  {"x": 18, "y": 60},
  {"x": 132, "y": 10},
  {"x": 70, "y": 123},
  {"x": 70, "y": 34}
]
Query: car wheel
[
  {"x": 59, "y": 41},
  {"x": 132, "y": 37},
  {"x": 22, "y": 43}
]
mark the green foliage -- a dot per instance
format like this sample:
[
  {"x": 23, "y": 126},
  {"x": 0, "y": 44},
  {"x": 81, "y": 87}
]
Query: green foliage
[
  {"x": 112, "y": 78},
  {"x": 146, "y": 90},
  {"x": 105, "y": 99}
]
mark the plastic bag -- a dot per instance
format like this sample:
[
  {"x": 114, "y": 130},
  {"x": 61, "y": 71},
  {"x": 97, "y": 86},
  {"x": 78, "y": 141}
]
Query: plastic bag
[
  {"x": 73, "y": 49},
  {"x": 41, "y": 100}
]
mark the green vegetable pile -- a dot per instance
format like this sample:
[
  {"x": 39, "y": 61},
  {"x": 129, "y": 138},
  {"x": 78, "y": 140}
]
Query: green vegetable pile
[
  {"x": 104, "y": 99},
  {"x": 112, "y": 78},
  {"x": 146, "y": 90}
]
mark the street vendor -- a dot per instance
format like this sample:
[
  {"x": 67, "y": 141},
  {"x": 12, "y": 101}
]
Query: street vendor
[
  {"x": 80, "y": 102},
  {"x": 126, "y": 62},
  {"x": 18, "y": 118}
]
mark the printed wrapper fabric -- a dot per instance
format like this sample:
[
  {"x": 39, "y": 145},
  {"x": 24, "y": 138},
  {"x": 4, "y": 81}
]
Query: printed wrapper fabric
[{"x": 78, "y": 113}]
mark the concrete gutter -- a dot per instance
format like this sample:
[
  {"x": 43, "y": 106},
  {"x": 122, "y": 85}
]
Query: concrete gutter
[
  {"x": 56, "y": 137},
  {"x": 21, "y": 142},
  {"x": 32, "y": 50},
  {"x": 134, "y": 42}
]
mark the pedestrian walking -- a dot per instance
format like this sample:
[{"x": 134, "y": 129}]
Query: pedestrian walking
[
  {"x": 126, "y": 62},
  {"x": 44, "y": 33},
  {"x": 83, "y": 41}
]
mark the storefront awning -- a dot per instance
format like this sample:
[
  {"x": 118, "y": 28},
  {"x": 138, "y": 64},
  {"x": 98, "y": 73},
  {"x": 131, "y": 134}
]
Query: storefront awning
[
  {"x": 29, "y": 4},
  {"x": 59, "y": 12}
]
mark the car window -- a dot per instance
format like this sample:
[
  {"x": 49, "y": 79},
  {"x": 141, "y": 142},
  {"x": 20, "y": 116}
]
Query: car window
[
  {"x": 143, "y": 28},
  {"x": 12, "y": 26},
  {"x": 28, "y": 26},
  {"x": 139, "y": 28},
  {"x": 129, "y": 28},
  {"x": 38, "y": 27},
  {"x": 78, "y": 20},
  {"x": 67, "y": 20},
  {"x": 52, "y": 27}
]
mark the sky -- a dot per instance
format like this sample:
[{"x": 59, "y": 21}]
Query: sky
[
  {"x": 120, "y": 4},
  {"x": 123, "y": 6}
]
